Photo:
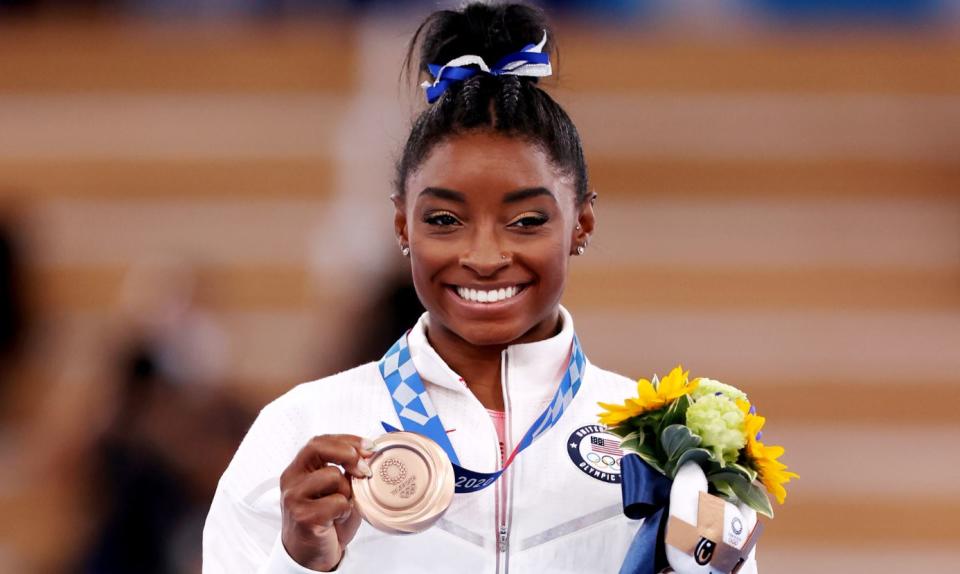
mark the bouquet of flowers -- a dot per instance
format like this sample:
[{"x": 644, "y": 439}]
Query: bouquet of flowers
[{"x": 674, "y": 420}]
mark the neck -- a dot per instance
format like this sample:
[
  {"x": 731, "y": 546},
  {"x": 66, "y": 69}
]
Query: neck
[{"x": 479, "y": 365}]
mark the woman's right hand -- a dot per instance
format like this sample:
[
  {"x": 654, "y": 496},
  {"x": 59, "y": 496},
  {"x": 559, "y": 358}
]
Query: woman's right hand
[{"x": 319, "y": 519}]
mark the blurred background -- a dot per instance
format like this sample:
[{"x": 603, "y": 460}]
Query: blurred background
[{"x": 194, "y": 218}]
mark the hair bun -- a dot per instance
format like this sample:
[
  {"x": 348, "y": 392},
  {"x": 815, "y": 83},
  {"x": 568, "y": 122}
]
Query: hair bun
[{"x": 490, "y": 31}]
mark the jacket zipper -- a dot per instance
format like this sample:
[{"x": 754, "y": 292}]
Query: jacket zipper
[{"x": 502, "y": 498}]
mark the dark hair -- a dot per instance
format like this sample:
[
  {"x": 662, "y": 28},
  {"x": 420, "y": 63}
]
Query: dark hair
[{"x": 511, "y": 105}]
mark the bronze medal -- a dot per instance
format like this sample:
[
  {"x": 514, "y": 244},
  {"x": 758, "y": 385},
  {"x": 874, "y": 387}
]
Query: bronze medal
[{"x": 411, "y": 487}]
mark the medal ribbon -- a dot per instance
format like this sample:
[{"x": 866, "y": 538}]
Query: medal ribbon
[{"x": 417, "y": 414}]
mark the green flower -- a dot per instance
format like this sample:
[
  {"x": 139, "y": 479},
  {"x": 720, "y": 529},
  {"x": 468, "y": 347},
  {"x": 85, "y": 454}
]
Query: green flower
[
  {"x": 719, "y": 423},
  {"x": 711, "y": 387}
]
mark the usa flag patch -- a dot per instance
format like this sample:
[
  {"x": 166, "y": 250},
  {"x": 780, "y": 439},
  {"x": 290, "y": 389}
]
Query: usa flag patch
[{"x": 596, "y": 453}]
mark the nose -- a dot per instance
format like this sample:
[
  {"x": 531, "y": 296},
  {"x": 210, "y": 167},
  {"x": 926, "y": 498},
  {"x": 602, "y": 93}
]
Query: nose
[{"x": 484, "y": 256}]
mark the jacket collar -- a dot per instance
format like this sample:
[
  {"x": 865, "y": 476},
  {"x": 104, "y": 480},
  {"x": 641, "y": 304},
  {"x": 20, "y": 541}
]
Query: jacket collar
[{"x": 532, "y": 369}]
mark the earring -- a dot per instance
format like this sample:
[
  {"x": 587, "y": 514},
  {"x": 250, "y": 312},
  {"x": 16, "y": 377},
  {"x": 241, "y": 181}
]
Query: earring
[
  {"x": 580, "y": 249},
  {"x": 405, "y": 251}
]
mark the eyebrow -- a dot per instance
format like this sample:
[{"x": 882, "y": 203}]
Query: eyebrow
[
  {"x": 522, "y": 194},
  {"x": 511, "y": 197},
  {"x": 442, "y": 193}
]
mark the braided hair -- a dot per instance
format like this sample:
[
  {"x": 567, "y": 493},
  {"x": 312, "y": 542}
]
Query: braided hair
[{"x": 514, "y": 106}]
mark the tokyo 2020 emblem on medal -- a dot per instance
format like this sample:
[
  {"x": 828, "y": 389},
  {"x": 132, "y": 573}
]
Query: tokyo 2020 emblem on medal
[
  {"x": 596, "y": 452},
  {"x": 411, "y": 487}
]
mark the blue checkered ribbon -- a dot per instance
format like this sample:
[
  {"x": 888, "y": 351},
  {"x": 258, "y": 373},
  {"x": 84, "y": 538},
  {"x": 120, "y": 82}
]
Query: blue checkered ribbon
[
  {"x": 416, "y": 412},
  {"x": 530, "y": 61}
]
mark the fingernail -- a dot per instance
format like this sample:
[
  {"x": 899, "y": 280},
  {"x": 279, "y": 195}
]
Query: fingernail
[
  {"x": 367, "y": 444},
  {"x": 363, "y": 467}
]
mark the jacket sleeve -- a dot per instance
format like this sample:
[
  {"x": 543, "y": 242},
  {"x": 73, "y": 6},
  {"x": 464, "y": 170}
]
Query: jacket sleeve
[
  {"x": 237, "y": 538},
  {"x": 242, "y": 531},
  {"x": 242, "y": 528}
]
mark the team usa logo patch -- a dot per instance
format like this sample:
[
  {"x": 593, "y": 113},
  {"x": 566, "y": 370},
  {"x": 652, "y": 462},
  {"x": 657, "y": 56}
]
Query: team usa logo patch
[{"x": 596, "y": 452}]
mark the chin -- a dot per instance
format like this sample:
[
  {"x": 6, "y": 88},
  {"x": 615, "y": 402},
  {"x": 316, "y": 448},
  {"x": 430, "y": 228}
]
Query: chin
[{"x": 481, "y": 335}]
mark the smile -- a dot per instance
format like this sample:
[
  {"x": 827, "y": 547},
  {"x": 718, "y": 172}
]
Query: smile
[{"x": 488, "y": 296}]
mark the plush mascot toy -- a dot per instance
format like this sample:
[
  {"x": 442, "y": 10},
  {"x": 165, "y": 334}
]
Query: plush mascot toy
[{"x": 706, "y": 534}]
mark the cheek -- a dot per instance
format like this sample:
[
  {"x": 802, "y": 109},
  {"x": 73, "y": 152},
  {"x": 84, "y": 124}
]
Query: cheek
[
  {"x": 550, "y": 262},
  {"x": 428, "y": 259},
  {"x": 558, "y": 267},
  {"x": 424, "y": 265},
  {"x": 421, "y": 272}
]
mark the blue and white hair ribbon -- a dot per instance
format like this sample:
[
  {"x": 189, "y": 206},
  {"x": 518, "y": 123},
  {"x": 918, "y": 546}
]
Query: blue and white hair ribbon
[{"x": 530, "y": 62}]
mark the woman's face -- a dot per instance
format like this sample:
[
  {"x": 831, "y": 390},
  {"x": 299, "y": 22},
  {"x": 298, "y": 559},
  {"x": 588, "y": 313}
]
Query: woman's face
[{"x": 491, "y": 224}]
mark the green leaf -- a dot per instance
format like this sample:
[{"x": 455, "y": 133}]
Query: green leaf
[
  {"x": 722, "y": 487},
  {"x": 651, "y": 442},
  {"x": 649, "y": 456},
  {"x": 697, "y": 455},
  {"x": 744, "y": 490},
  {"x": 726, "y": 475},
  {"x": 753, "y": 496},
  {"x": 648, "y": 420},
  {"x": 637, "y": 435},
  {"x": 676, "y": 413},
  {"x": 621, "y": 430},
  {"x": 633, "y": 440},
  {"x": 715, "y": 466},
  {"x": 677, "y": 439},
  {"x": 746, "y": 471}
]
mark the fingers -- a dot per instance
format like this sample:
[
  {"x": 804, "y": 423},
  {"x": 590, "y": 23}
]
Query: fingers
[
  {"x": 324, "y": 512},
  {"x": 321, "y": 512},
  {"x": 347, "y": 451},
  {"x": 327, "y": 480},
  {"x": 317, "y": 499},
  {"x": 364, "y": 445}
]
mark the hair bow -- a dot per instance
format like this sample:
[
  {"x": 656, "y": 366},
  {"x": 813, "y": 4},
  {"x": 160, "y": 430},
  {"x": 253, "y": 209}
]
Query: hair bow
[{"x": 530, "y": 62}]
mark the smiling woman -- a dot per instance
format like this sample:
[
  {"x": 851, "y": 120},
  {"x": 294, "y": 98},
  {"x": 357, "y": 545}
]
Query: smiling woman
[
  {"x": 489, "y": 244},
  {"x": 492, "y": 201},
  {"x": 505, "y": 220}
]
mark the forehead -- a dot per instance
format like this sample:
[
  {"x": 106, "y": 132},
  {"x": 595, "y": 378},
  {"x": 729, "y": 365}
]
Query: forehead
[{"x": 489, "y": 165}]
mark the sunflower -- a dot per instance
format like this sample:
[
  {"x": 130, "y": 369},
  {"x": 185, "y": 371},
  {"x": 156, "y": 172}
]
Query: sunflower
[
  {"x": 650, "y": 397},
  {"x": 771, "y": 472}
]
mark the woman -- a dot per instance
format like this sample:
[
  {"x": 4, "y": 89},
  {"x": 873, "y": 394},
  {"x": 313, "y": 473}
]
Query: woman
[{"x": 491, "y": 203}]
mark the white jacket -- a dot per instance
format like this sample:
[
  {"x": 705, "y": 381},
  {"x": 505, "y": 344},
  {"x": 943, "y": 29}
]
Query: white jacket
[{"x": 563, "y": 509}]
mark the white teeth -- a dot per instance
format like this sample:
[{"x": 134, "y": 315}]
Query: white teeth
[{"x": 493, "y": 296}]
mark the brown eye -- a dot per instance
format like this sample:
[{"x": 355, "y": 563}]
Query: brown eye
[
  {"x": 528, "y": 221},
  {"x": 441, "y": 219}
]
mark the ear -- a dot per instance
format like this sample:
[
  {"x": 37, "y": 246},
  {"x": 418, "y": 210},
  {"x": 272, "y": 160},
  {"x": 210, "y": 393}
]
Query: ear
[
  {"x": 586, "y": 221},
  {"x": 400, "y": 220}
]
